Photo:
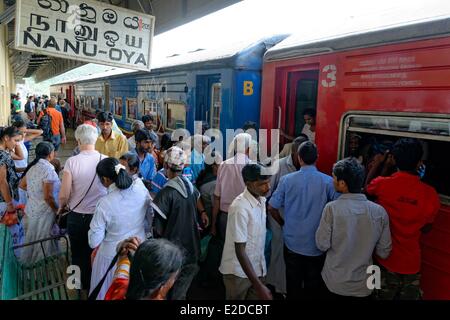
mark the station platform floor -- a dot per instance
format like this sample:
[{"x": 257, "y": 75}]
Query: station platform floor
[{"x": 65, "y": 150}]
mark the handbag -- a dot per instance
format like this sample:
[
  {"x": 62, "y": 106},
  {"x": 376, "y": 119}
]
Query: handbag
[{"x": 61, "y": 219}]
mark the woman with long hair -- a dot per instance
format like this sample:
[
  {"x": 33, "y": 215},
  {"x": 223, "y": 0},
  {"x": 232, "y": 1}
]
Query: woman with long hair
[
  {"x": 9, "y": 139},
  {"x": 131, "y": 162},
  {"x": 154, "y": 269},
  {"x": 40, "y": 180},
  {"x": 28, "y": 135},
  {"x": 118, "y": 215}
]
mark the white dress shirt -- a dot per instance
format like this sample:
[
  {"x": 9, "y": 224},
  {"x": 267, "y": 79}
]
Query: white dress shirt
[{"x": 246, "y": 224}]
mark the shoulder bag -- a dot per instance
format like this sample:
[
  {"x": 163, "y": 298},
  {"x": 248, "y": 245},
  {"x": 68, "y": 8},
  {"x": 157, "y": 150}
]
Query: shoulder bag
[{"x": 61, "y": 219}]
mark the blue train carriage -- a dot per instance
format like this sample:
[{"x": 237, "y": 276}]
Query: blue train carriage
[
  {"x": 92, "y": 94},
  {"x": 221, "y": 87}
]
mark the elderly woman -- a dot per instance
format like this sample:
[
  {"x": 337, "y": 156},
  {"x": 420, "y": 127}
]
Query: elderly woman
[
  {"x": 80, "y": 191},
  {"x": 137, "y": 125},
  {"x": 9, "y": 139},
  {"x": 119, "y": 215},
  {"x": 199, "y": 144},
  {"x": 39, "y": 180}
]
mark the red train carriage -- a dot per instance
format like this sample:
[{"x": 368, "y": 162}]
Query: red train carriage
[{"x": 377, "y": 86}]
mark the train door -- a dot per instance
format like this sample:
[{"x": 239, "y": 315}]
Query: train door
[
  {"x": 68, "y": 95},
  {"x": 107, "y": 107},
  {"x": 208, "y": 99},
  {"x": 301, "y": 95}
]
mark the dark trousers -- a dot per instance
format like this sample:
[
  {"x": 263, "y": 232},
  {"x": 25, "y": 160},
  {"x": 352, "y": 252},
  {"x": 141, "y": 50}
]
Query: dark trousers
[
  {"x": 183, "y": 282},
  {"x": 303, "y": 275},
  {"x": 65, "y": 115},
  {"x": 77, "y": 228},
  {"x": 221, "y": 224}
]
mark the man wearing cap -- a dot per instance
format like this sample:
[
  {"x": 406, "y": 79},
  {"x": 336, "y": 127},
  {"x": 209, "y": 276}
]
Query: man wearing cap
[{"x": 178, "y": 220}]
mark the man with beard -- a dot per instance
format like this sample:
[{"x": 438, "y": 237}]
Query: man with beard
[
  {"x": 110, "y": 143},
  {"x": 144, "y": 148}
]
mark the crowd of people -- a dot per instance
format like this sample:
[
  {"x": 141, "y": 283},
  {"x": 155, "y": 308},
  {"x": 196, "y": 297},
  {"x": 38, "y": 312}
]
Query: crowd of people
[
  {"x": 151, "y": 202},
  {"x": 49, "y": 114}
]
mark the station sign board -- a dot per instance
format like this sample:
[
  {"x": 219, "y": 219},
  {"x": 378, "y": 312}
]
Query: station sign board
[{"x": 90, "y": 31}]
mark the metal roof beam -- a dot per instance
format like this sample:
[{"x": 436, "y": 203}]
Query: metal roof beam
[{"x": 8, "y": 15}]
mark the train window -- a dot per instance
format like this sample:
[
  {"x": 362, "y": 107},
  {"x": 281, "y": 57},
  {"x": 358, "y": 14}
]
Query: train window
[
  {"x": 107, "y": 103},
  {"x": 131, "y": 108},
  {"x": 100, "y": 104},
  {"x": 368, "y": 135},
  {"x": 93, "y": 104},
  {"x": 418, "y": 126},
  {"x": 77, "y": 102},
  {"x": 149, "y": 107},
  {"x": 216, "y": 105},
  {"x": 118, "y": 107},
  {"x": 87, "y": 104},
  {"x": 176, "y": 115}
]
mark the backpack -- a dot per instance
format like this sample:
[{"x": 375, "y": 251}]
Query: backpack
[
  {"x": 45, "y": 126},
  {"x": 28, "y": 107}
]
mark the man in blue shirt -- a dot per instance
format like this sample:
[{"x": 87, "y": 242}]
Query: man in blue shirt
[
  {"x": 303, "y": 195},
  {"x": 144, "y": 146},
  {"x": 160, "y": 179}
]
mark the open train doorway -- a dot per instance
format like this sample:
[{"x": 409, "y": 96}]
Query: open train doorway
[{"x": 301, "y": 98}]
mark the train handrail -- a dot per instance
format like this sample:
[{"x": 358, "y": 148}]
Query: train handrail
[{"x": 279, "y": 117}]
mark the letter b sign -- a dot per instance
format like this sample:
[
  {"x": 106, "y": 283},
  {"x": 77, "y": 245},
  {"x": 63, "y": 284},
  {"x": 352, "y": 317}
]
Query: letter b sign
[{"x": 248, "y": 88}]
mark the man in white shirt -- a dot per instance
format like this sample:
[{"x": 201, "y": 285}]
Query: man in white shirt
[{"x": 243, "y": 263}]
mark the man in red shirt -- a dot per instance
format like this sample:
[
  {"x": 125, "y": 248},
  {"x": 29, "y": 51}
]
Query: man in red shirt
[{"x": 412, "y": 206}]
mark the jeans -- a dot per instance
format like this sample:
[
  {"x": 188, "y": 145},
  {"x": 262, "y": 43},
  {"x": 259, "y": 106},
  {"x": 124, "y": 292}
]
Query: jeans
[
  {"x": 56, "y": 140},
  {"x": 77, "y": 228},
  {"x": 303, "y": 275}
]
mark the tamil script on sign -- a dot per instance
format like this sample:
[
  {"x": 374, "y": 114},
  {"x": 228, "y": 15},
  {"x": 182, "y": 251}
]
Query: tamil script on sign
[{"x": 85, "y": 30}]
